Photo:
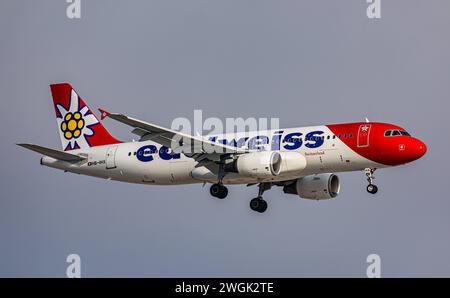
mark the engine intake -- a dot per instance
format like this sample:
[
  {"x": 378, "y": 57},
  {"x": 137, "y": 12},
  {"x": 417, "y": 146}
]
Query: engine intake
[{"x": 315, "y": 187}]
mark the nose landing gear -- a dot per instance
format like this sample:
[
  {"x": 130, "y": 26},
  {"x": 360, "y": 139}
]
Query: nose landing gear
[{"x": 371, "y": 188}]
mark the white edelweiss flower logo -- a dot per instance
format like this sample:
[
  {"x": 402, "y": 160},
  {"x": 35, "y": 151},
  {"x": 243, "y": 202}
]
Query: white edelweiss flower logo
[{"x": 75, "y": 124}]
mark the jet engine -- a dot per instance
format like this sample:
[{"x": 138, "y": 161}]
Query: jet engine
[
  {"x": 315, "y": 187},
  {"x": 261, "y": 164}
]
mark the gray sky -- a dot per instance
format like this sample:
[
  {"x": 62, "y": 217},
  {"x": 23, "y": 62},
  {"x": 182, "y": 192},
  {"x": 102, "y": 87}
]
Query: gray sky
[{"x": 306, "y": 62}]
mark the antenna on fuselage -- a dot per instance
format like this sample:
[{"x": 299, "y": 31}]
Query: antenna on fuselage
[{"x": 367, "y": 120}]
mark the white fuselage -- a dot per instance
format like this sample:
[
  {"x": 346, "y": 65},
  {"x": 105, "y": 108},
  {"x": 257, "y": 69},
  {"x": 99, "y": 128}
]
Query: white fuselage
[{"x": 135, "y": 162}]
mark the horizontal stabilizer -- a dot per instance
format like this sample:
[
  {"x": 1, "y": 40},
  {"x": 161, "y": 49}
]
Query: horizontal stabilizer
[{"x": 61, "y": 155}]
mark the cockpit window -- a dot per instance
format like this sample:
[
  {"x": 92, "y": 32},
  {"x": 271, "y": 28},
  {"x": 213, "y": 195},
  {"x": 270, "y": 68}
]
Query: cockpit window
[
  {"x": 395, "y": 133},
  {"x": 404, "y": 133}
]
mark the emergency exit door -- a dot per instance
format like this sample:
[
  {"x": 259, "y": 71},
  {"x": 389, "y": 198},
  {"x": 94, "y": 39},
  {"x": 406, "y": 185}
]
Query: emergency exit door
[{"x": 363, "y": 135}]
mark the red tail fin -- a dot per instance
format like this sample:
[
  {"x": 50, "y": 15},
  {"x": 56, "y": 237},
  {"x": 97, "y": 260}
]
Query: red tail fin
[{"x": 78, "y": 127}]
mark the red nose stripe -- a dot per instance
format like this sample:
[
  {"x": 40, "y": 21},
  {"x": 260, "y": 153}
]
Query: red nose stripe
[{"x": 368, "y": 140}]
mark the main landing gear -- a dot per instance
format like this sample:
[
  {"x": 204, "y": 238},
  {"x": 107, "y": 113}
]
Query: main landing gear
[
  {"x": 258, "y": 204},
  {"x": 371, "y": 188},
  {"x": 219, "y": 191}
]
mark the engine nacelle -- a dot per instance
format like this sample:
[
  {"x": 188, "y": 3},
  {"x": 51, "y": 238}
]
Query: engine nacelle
[
  {"x": 292, "y": 162},
  {"x": 261, "y": 164},
  {"x": 315, "y": 187}
]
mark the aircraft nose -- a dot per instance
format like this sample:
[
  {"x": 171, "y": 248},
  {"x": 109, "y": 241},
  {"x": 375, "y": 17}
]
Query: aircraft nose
[
  {"x": 420, "y": 149},
  {"x": 414, "y": 150},
  {"x": 410, "y": 151}
]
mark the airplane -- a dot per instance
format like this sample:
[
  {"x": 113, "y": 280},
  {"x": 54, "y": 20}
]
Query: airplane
[{"x": 302, "y": 160}]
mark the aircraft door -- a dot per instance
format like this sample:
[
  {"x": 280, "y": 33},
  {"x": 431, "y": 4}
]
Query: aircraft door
[
  {"x": 111, "y": 157},
  {"x": 363, "y": 138}
]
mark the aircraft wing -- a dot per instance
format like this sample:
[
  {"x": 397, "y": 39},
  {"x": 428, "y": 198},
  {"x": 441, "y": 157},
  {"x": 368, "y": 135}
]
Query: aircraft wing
[
  {"x": 177, "y": 141},
  {"x": 61, "y": 155}
]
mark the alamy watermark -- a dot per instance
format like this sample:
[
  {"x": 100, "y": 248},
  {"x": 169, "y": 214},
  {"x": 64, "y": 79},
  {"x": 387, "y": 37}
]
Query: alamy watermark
[
  {"x": 374, "y": 268},
  {"x": 374, "y": 9},
  {"x": 203, "y": 135},
  {"x": 74, "y": 268},
  {"x": 73, "y": 10}
]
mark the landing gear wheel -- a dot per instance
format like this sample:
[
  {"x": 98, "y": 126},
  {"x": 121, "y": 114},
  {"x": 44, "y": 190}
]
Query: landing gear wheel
[
  {"x": 218, "y": 191},
  {"x": 223, "y": 192},
  {"x": 258, "y": 205},
  {"x": 214, "y": 190},
  {"x": 372, "y": 188},
  {"x": 263, "y": 206}
]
